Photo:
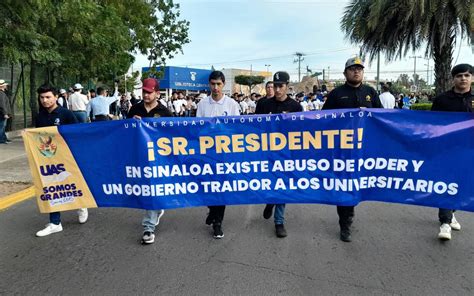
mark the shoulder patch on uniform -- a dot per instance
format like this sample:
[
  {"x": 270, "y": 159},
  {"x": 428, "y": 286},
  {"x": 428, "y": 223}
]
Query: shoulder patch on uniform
[{"x": 368, "y": 98}]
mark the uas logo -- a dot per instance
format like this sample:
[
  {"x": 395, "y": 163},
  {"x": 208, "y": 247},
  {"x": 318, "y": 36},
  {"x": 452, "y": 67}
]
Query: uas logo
[
  {"x": 53, "y": 173},
  {"x": 46, "y": 146},
  {"x": 193, "y": 76}
]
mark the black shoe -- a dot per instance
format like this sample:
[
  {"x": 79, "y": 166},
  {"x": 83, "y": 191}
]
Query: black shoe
[
  {"x": 148, "y": 237},
  {"x": 8, "y": 141},
  {"x": 267, "y": 213},
  {"x": 218, "y": 233},
  {"x": 280, "y": 230},
  {"x": 346, "y": 235}
]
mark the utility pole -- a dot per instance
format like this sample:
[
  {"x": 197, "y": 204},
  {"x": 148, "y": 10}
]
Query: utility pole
[
  {"x": 378, "y": 71},
  {"x": 299, "y": 59},
  {"x": 428, "y": 72},
  {"x": 415, "y": 80}
]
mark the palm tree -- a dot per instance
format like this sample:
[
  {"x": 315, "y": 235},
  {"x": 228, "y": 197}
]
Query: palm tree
[{"x": 396, "y": 27}]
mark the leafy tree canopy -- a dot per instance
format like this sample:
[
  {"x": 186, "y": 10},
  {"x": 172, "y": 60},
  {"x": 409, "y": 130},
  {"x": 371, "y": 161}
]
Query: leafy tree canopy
[{"x": 249, "y": 80}]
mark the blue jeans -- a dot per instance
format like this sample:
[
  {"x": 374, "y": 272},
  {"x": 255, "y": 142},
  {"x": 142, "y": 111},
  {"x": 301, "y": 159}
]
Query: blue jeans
[
  {"x": 150, "y": 220},
  {"x": 3, "y": 125},
  {"x": 81, "y": 116},
  {"x": 55, "y": 218},
  {"x": 279, "y": 215}
]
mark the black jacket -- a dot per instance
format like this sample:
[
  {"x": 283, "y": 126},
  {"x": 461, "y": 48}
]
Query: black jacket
[
  {"x": 346, "y": 96},
  {"x": 454, "y": 102},
  {"x": 273, "y": 106}
]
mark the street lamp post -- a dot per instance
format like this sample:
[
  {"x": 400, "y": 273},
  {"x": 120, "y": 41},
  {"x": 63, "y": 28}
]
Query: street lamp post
[
  {"x": 268, "y": 66},
  {"x": 415, "y": 80}
]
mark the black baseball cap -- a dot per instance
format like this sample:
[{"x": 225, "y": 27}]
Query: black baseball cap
[{"x": 281, "y": 77}]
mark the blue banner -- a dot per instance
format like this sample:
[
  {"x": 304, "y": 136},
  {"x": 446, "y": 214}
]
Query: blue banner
[{"x": 339, "y": 157}]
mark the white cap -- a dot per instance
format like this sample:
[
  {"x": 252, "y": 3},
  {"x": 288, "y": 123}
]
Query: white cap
[
  {"x": 78, "y": 86},
  {"x": 62, "y": 91}
]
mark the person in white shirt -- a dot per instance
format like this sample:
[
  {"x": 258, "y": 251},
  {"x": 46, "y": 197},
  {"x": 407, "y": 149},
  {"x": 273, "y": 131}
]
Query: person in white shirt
[
  {"x": 99, "y": 106},
  {"x": 78, "y": 103},
  {"x": 217, "y": 104},
  {"x": 386, "y": 98},
  {"x": 182, "y": 103},
  {"x": 303, "y": 103},
  {"x": 244, "y": 107},
  {"x": 251, "y": 103}
]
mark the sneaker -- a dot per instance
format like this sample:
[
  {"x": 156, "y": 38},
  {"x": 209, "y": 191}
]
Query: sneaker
[
  {"x": 280, "y": 230},
  {"x": 50, "y": 229},
  {"x": 218, "y": 233},
  {"x": 83, "y": 215},
  {"x": 148, "y": 237},
  {"x": 159, "y": 216},
  {"x": 444, "y": 232},
  {"x": 455, "y": 224},
  {"x": 268, "y": 211},
  {"x": 345, "y": 235},
  {"x": 8, "y": 141}
]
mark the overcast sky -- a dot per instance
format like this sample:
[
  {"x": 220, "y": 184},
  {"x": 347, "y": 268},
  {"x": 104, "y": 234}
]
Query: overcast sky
[{"x": 254, "y": 33}]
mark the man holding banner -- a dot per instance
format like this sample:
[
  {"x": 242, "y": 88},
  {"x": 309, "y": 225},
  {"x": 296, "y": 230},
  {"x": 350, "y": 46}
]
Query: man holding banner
[
  {"x": 353, "y": 94},
  {"x": 459, "y": 99},
  {"x": 279, "y": 103},
  {"x": 51, "y": 114},
  {"x": 217, "y": 104},
  {"x": 150, "y": 107}
]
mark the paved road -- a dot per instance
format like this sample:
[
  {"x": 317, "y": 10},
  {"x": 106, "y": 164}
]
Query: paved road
[
  {"x": 14, "y": 163},
  {"x": 394, "y": 252}
]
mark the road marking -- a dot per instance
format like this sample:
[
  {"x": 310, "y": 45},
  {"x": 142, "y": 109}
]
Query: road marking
[
  {"x": 9, "y": 200},
  {"x": 11, "y": 158}
]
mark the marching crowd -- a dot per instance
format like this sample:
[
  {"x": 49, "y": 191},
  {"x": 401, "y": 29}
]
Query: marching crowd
[{"x": 62, "y": 107}]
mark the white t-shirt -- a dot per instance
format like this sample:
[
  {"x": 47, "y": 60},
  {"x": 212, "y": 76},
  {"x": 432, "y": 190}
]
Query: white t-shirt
[
  {"x": 226, "y": 106},
  {"x": 244, "y": 107},
  {"x": 177, "y": 106},
  {"x": 304, "y": 105},
  {"x": 78, "y": 102},
  {"x": 251, "y": 105},
  {"x": 387, "y": 100}
]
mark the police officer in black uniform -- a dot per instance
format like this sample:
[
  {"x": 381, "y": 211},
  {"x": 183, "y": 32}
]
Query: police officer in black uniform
[
  {"x": 459, "y": 99},
  {"x": 353, "y": 94}
]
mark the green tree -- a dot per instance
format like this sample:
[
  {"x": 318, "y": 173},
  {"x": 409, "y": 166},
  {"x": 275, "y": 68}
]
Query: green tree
[
  {"x": 249, "y": 80},
  {"x": 77, "y": 40},
  {"x": 395, "y": 27}
]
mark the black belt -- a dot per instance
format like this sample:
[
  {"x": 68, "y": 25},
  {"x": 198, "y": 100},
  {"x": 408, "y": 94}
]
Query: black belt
[{"x": 101, "y": 117}]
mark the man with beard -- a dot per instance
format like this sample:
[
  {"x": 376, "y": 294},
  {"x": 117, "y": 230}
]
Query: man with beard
[{"x": 353, "y": 94}]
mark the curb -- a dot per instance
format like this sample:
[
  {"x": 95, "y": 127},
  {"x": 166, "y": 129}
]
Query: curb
[
  {"x": 9, "y": 200},
  {"x": 14, "y": 134}
]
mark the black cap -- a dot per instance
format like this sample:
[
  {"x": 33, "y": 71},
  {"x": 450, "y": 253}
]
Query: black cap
[
  {"x": 281, "y": 77},
  {"x": 461, "y": 68}
]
